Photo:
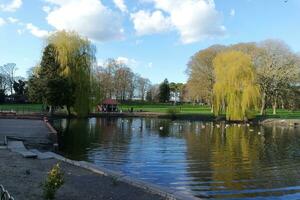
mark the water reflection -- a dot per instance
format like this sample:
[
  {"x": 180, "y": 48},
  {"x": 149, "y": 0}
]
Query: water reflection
[{"x": 236, "y": 161}]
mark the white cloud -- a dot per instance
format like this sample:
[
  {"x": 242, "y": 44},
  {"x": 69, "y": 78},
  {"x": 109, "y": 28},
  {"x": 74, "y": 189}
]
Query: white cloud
[
  {"x": 121, "y": 5},
  {"x": 12, "y": 20},
  {"x": 87, "y": 17},
  {"x": 130, "y": 62},
  {"x": 232, "y": 12},
  {"x": 12, "y": 6},
  {"x": 46, "y": 9},
  {"x": 2, "y": 21},
  {"x": 20, "y": 31},
  {"x": 146, "y": 23},
  {"x": 36, "y": 31},
  {"x": 194, "y": 20}
]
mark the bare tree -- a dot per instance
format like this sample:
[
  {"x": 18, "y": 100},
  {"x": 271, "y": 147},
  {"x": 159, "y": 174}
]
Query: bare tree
[
  {"x": 8, "y": 71},
  {"x": 278, "y": 70},
  {"x": 143, "y": 85}
]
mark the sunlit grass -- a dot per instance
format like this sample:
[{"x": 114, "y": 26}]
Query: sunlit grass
[{"x": 22, "y": 108}]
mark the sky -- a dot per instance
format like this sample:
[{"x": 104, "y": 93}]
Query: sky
[{"x": 156, "y": 38}]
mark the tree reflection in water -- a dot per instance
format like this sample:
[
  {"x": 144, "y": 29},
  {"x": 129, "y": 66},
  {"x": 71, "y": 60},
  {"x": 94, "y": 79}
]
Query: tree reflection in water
[{"x": 194, "y": 157}]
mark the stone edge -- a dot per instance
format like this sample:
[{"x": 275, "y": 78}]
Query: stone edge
[{"x": 164, "y": 192}]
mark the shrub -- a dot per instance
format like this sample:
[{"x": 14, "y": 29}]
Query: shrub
[{"x": 53, "y": 182}]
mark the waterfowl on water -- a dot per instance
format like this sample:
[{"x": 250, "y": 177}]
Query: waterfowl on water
[{"x": 161, "y": 128}]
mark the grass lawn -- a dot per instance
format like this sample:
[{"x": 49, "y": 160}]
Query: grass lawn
[
  {"x": 152, "y": 107},
  {"x": 22, "y": 108},
  {"x": 196, "y": 109},
  {"x": 284, "y": 114},
  {"x": 163, "y": 108}
]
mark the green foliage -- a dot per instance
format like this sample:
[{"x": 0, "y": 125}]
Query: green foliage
[
  {"x": 2, "y": 96},
  {"x": 35, "y": 89},
  {"x": 54, "y": 181},
  {"x": 76, "y": 55},
  {"x": 235, "y": 89},
  {"x": 164, "y": 91},
  {"x": 20, "y": 89}
]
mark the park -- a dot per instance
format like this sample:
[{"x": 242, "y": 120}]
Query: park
[{"x": 85, "y": 123}]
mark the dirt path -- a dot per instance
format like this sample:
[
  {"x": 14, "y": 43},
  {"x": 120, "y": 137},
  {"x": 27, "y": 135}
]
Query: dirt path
[{"x": 23, "y": 177}]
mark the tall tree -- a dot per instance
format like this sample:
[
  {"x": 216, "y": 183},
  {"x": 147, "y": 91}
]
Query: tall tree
[
  {"x": 19, "y": 88},
  {"x": 164, "y": 91},
  {"x": 143, "y": 86},
  {"x": 235, "y": 90},
  {"x": 9, "y": 70},
  {"x": 76, "y": 56},
  {"x": 201, "y": 77},
  {"x": 278, "y": 70},
  {"x": 58, "y": 90}
]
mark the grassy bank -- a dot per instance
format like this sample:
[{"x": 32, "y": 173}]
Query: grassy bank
[
  {"x": 184, "y": 109},
  {"x": 164, "y": 108},
  {"x": 189, "y": 109},
  {"x": 22, "y": 108}
]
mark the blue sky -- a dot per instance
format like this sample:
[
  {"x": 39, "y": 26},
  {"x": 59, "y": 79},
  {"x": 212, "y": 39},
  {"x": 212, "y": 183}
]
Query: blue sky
[{"x": 154, "y": 37}]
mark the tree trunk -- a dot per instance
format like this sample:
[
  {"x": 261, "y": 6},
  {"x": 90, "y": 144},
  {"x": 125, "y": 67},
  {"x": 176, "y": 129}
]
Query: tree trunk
[
  {"x": 282, "y": 103},
  {"x": 212, "y": 108},
  {"x": 274, "y": 107},
  {"x": 69, "y": 111},
  {"x": 51, "y": 110},
  {"x": 263, "y": 104}
]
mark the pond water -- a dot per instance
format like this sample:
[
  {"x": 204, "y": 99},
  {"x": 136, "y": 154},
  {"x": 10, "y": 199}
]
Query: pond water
[{"x": 197, "y": 158}]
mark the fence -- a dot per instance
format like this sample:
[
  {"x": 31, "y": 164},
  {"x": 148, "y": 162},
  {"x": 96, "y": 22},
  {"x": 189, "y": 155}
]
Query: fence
[{"x": 4, "y": 195}]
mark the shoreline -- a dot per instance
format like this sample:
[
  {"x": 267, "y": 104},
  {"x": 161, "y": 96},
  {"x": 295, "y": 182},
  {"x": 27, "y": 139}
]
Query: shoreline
[
  {"x": 10, "y": 154},
  {"x": 145, "y": 187},
  {"x": 192, "y": 117}
]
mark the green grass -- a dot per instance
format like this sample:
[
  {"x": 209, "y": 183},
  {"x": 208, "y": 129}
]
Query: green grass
[
  {"x": 22, "y": 108},
  {"x": 152, "y": 107},
  {"x": 196, "y": 109},
  {"x": 163, "y": 108},
  {"x": 284, "y": 114}
]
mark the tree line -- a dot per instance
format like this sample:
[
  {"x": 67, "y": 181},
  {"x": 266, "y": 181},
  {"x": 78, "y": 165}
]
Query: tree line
[
  {"x": 12, "y": 88},
  {"x": 238, "y": 78},
  {"x": 68, "y": 76}
]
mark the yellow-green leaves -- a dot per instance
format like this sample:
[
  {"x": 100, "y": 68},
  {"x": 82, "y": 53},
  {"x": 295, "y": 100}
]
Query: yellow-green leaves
[
  {"x": 235, "y": 90},
  {"x": 76, "y": 56}
]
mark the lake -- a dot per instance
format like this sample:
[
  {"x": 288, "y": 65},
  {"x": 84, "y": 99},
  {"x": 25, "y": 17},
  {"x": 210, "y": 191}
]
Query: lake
[{"x": 214, "y": 159}]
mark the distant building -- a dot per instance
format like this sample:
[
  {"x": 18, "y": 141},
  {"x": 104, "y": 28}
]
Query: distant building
[{"x": 108, "y": 105}]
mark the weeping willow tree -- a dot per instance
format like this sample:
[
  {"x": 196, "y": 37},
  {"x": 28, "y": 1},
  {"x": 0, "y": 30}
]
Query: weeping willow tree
[
  {"x": 76, "y": 56},
  {"x": 235, "y": 90}
]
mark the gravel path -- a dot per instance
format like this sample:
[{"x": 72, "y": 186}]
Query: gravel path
[{"x": 23, "y": 177}]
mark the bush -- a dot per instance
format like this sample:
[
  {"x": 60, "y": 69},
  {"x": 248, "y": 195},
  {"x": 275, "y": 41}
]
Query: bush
[{"x": 53, "y": 182}]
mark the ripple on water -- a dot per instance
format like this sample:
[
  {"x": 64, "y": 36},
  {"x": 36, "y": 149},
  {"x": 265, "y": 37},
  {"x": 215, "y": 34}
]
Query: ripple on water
[{"x": 222, "y": 163}]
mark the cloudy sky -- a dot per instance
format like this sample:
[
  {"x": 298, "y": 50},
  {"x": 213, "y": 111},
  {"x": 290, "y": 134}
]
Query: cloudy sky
[{"x": 154, "y": 37}]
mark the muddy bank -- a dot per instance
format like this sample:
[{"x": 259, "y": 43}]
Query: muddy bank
[{"x": 23, "y": 178}]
